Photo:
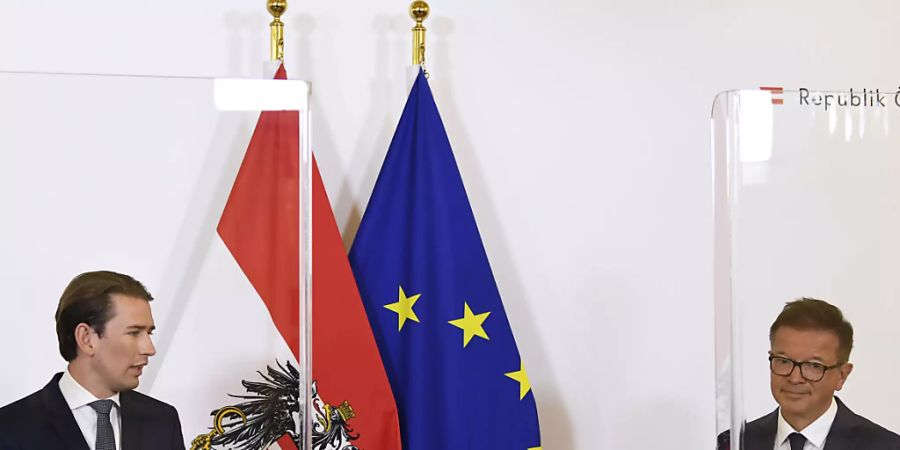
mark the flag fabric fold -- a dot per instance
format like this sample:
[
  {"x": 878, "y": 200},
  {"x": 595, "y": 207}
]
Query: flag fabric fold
[
  {"x": 260, "y": 222},
  {"x": 427, "y": 286},
  {"x": 346, "y": 362},
  {"x": 352, "y": 405}
]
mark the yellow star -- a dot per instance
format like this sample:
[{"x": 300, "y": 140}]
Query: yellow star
[
  {"x": 534, "y": 448},
  {"x": 522, "y": 378},
  {"x": 404, "y": 308},
  {"x": 471, "y": 324}
]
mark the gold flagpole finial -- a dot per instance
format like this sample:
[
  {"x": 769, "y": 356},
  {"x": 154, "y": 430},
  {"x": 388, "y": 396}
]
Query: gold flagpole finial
[
  {"x": 419, "y": 10},
  {"x": 277, "y": 8}
]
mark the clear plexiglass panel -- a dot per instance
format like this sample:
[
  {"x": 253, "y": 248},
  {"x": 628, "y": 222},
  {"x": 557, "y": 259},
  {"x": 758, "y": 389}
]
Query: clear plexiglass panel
[
  {"x": 807, "y": 205},
  {"x": 140, "y": 175}
]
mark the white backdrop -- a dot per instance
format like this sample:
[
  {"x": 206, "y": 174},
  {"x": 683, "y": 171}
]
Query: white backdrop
[{"x": 582, "y": 132}]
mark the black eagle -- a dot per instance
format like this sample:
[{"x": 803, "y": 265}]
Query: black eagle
[
  {"x": 269, "y": 406},
  {"x": 332, "y": 429}
]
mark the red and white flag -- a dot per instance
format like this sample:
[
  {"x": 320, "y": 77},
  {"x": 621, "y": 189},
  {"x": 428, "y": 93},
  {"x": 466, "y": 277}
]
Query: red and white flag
[{"x": 238, "y": 355}]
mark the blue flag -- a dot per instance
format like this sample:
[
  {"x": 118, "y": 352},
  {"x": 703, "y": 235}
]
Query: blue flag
[{"x": 430, "y": 296}]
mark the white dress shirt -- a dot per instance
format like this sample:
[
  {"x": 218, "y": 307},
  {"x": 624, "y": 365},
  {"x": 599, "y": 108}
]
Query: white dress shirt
[
  {"x": 79, "y": 400},
  {"x": 815, "y": 433}
]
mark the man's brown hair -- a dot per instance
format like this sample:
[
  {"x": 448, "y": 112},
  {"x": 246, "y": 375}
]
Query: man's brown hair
[
  {"x": 814, "y": 314},
  {"x": 87, "y": 299}
]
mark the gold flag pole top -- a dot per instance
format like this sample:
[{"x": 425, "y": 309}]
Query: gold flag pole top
[
  {"x": 277, "y": 8},
  {"x": 418, "y": 10}
]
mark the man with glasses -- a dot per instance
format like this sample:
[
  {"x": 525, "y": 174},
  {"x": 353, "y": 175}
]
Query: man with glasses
[{"x": 809, "y": 360}]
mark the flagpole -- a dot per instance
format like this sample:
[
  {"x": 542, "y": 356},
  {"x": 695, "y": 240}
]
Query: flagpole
[
  {"x": 276, "y": 53},
  {"x": 419, "y": 11},
  {"x": 306, "y": 268},
  {"x": 276, "y": 8}
]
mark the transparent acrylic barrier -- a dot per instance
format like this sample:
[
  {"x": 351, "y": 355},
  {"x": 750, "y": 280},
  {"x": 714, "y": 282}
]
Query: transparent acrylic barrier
[
  {"x": 807, "y": 204},
  {"x": 132, "y": 174}
]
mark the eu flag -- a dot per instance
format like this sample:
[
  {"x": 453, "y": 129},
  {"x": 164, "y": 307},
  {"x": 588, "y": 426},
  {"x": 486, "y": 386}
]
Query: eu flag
[{"x": 434, "y": 307}]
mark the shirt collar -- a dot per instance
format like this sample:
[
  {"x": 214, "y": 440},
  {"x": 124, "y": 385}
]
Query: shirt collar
[
  {"x": 76, "y": 395},
  {"x": 815, "y": 432}
]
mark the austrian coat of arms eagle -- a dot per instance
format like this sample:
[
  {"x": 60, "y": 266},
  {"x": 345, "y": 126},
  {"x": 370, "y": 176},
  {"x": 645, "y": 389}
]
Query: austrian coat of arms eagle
[{"x": 270, "y": 413}]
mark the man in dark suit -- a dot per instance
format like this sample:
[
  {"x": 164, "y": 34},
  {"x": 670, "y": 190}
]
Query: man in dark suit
[
  {"x": 103, "y": 324},
  {"x": 809, "y": 360}
]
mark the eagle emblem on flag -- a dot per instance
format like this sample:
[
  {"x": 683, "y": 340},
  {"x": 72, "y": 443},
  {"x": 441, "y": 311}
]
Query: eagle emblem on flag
[{"x": 270, "y": 414}]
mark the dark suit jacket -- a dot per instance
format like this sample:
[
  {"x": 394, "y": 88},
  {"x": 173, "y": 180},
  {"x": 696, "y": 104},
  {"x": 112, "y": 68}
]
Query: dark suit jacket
[
  {"x": 43, "y": 421},
  {"x": 849, "y": 431}
]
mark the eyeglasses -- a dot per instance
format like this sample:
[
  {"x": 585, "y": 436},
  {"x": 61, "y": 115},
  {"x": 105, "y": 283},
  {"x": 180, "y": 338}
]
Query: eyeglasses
[{"x": 809, "y": 370}]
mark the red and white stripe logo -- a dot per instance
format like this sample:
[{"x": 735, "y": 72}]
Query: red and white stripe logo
[{"x": 776, "y": 92}]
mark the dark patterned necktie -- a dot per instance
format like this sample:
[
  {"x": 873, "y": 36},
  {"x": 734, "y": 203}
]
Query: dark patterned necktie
[
  {"x": 797, "y": 441},
  {"x": 106, "y": 440}
]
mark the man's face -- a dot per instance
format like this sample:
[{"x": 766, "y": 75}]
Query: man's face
[
  {"x": 797, "y": 396},
  {"x": 126, "y": 346}
]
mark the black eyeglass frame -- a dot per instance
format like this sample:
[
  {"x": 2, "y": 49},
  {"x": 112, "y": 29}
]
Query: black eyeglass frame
[{"x": 800, "y": 364}]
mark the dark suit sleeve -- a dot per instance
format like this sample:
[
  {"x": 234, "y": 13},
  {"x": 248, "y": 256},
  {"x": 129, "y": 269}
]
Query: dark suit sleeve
[
  {"x": 11, "y": 426},
  {"x": 724, "y": 441},
  {"x": 6, "y": 444},
  {"x": 177, "y": 436}
]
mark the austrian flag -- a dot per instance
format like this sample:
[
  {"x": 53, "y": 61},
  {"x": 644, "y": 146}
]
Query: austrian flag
[{"x": 260, "y": 404}]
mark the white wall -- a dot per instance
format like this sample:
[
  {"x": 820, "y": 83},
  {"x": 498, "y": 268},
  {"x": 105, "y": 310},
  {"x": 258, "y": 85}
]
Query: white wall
[{"x": 582, "y": 132}]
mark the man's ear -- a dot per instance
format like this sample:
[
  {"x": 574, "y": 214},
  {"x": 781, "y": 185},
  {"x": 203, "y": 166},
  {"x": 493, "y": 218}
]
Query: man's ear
[
  {"x": 844, "y": 373},
  {"x": 85, "y": 339}
]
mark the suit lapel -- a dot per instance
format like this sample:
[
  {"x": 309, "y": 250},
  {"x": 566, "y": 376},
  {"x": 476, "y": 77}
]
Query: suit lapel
[
  {"x": 132, "y": 424},
  {"x": 60, "y": 416},
  {"x": 760, "y": 434},
  {"x": 842, "y": 435}
]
